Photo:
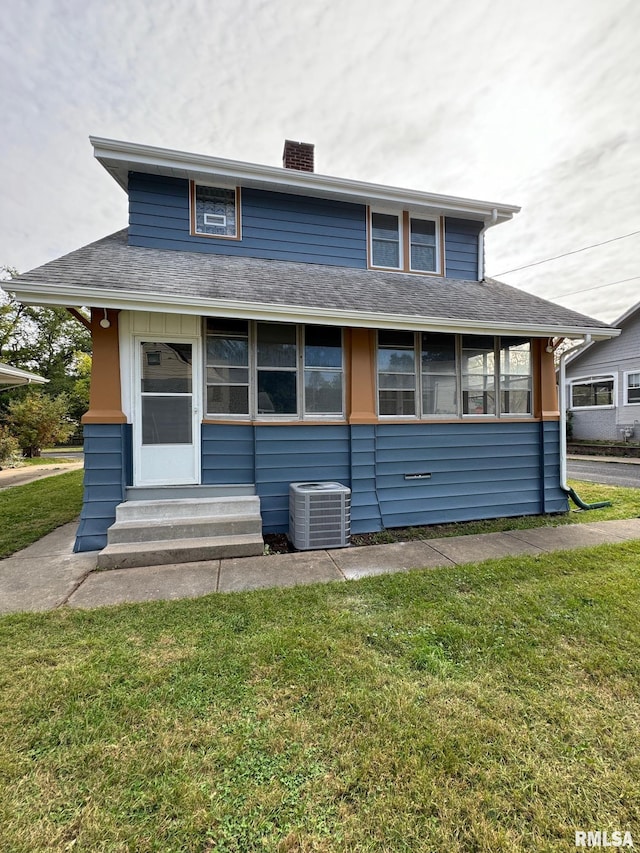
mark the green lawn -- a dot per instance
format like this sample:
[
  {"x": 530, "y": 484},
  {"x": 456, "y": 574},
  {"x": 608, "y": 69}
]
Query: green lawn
[
  {"x": 28, "y": 512},
  {"x": 481, "y": 708}
]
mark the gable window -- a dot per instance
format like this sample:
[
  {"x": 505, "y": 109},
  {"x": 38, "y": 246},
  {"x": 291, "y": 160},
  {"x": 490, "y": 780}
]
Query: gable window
[
  {"x": 385, "y": 240},
  {"x": 215, "y": 211},
  {"x": 423, "y": 245},
  {"x": 593, "y": 391},
  {"x": 401, "y": 241},
  {"x": 632, "y": 388},
  {"x": 273, "y": 370}
]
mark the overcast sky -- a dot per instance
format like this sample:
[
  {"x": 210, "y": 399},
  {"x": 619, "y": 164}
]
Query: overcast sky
[{"x": 534, "y": 104}]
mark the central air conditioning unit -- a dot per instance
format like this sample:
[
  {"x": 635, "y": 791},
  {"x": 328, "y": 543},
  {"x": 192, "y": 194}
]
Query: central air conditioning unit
[{"x": 319, "y": 515}]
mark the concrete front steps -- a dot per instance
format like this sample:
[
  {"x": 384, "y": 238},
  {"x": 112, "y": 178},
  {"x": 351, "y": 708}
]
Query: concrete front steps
[{"x": 183, "y": 530}]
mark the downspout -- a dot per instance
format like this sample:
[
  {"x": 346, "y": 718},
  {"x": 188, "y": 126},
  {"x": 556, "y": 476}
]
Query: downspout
[
  {"x": 562, "y": 402},
  {"x": 492, "y": 221}
]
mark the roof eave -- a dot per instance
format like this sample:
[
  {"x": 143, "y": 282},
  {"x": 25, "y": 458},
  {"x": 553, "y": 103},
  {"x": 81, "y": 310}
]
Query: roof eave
[
  {"x": 35, "y": 293},
  {"x": 118, "y": 158}
]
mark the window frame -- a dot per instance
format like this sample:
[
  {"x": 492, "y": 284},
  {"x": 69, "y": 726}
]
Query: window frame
[
  {"x": 193, "y": 185},
  {"x": 459, "y": 415},
  {"x": 627, "y": 374},
  {"x": 300, "y": 415},
  {"x": 590, "y": 380},
  {"x": 405, "y": 215}
]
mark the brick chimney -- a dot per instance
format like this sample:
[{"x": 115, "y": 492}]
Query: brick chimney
[{"x": 298, "y": 155}]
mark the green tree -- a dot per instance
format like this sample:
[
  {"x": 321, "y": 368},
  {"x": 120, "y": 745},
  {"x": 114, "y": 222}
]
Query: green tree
[
  {"x": 38, "y": 421},
  {"x": 48, "y": 341}
]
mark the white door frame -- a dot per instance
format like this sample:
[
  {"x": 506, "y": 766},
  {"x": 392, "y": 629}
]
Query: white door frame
[{"x": 193, "y": 478}]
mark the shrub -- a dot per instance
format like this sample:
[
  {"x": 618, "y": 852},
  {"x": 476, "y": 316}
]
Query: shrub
[
  {"x": 38, "y": 421},
  {"x": 9, "y": 449}
]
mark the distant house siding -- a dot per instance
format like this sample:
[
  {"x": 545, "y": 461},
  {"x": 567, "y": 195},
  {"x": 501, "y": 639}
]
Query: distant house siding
[
  {"x": 278, "y": 226},
  {"x": 615, "y": 357}
]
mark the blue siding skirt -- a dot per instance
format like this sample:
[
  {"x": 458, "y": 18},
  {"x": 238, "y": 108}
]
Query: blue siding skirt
[
  {"x": 107, "y": 471},
  {"x": 476, "y": 470}
]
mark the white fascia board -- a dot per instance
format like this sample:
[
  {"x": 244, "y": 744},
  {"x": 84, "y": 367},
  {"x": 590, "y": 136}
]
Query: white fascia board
[
  {"x": 166, "y": 303},
  {"x": 10, "y": 375},
  {"x": 118, "y": 158}
]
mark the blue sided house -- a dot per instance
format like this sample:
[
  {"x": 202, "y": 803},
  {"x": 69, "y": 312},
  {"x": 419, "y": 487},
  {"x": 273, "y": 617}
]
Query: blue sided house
[{"x": 256, "y": 326}]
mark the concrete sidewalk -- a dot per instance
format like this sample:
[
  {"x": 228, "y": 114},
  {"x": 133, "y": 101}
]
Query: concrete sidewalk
[
  {"x": 46, "y": 575},
  {"x": 19, "y": 476}
]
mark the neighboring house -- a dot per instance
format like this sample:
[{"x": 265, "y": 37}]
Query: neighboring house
[
  {"x": 603, "y": 384},
  {"x": 13, "y": 377},
  {"x": 256, "y": 326}
]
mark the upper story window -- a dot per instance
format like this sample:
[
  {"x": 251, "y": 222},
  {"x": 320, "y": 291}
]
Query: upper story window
[
  {"x": 273, "y": 370},
  {"x": 592, "y": 391},
  {"x": 215, "y": 211},
  {"x": 434, "y": 374},
  {"x": 401, "y": 241},
  {"x": 632, "y": 388}
]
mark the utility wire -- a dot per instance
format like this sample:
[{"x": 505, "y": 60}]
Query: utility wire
[
  {"x": 596, "y": 287},
  {"x": 565, "y": 254}
]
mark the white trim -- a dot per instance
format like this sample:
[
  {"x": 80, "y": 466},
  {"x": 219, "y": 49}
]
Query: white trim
[
  {"x": 625, "y": 387},
  {"x": 169, "y": 303},
  {"x": 14, "y": 376},
  {"x": 119, "y": 158},
  {"x": 589, "y": 380}
]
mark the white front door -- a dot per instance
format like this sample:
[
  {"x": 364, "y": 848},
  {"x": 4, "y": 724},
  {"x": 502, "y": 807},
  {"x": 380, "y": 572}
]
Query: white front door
[{"x": 166, "y": 428}]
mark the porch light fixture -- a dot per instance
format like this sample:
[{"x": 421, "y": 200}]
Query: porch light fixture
[{"x": 105, "y": 322}]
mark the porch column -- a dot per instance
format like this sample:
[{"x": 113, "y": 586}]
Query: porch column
[
  {"x": 362, "y": 407},
  {"x": 105, "y": 400},
  {"x": 546, "y": 402}
]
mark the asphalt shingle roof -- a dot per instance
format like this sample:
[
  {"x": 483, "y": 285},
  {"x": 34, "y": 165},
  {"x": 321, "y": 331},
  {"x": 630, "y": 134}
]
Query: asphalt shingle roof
[{"x": 111, "y": 264}]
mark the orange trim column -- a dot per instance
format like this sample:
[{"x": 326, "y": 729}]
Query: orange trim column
[
  {"x": 546, "y": 405},
  {"x": 361, "y": 407},
  {"x": 105, "y": 400}
]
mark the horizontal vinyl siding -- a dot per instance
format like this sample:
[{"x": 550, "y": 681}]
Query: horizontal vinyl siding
[
  {"x": 461, "y": 248},
  {"x": 477, "y": 471},
  {"x": 555, "y": 500},
  {"x": 107, "y": 470},
  {"x": 275, "y": 226},
  {"x": 227, "y": 454},
  {"x": 289, "y": 454}
]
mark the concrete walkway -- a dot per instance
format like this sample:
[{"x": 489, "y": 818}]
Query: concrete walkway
[
  {"x": 19, "y": 476},
  {"x": 46, "y": 575}
]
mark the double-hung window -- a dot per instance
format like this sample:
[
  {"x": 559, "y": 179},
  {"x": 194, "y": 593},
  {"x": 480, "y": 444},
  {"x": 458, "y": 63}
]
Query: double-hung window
[
  {"x": 402, "y": 241},
  {"x": 273, "y": 370},
  {"x": 215, "y": 211},
  {"x": 632, "y": 388},
  {"x": 515, "y": 376},
  {"x": 396, "y": 373}
]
